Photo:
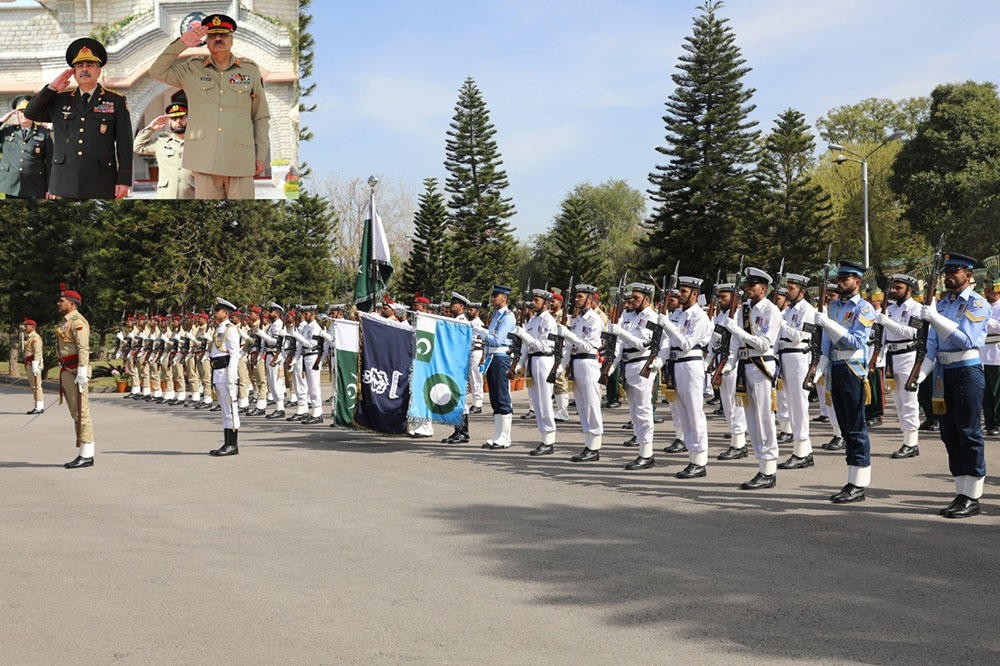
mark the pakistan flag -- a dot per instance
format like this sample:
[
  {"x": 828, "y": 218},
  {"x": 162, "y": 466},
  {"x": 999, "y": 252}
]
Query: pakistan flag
[{"x": 346, "y": 346}]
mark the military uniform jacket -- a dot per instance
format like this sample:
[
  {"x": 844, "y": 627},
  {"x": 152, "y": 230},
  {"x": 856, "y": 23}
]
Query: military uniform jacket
[
  {"x": 25, "y": 161},
  {"x": 857, "y": 316},
  {"x": 73, "y": 340},
  {"x": 228, "y": 117},
  {"x": 694, "y": 333},
  {"x": 990, "y": 353},
  {"x": 970, "y": 311},
  {"x": 92, "y": 146},
  {"x": 33, "y": 348},
  {"x": 174, "y": 181}
]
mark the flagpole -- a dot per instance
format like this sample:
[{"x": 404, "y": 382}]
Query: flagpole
[{"x": 372, "y": 183}]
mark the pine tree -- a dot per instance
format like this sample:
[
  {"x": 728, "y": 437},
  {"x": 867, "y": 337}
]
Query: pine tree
[
  {"x": 791, "y": 212},
  {"x": 429, "y": 268},
  {"x": 700, "y": 194},
  {"x": 576, "y": 244},
  {"x": 476, "y": 183}
]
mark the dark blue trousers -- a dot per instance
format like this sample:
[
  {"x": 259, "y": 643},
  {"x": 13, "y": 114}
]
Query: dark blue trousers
[
  {"x": 961, "y": 431},
  {"x": 847, "y": 391},
  {"x": 496, "y": 377}
]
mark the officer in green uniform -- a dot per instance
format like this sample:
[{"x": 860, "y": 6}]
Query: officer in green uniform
[
  {"x": 227, "y": 141},
  {"x": 92, "y": 157},
  {"x": 25, "y": 154},
  {"x": 174, "y": 181}
]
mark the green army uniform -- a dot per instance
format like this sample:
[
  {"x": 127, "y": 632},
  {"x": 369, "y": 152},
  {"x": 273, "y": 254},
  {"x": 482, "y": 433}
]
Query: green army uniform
[
  {"x": 174, "y": 181},
  {"x": 25, "y": 158}
]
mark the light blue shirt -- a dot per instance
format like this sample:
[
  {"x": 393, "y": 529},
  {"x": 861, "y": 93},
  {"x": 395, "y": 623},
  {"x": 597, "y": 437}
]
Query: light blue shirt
[
  {"x": 857, "y": 316},
  {"x": 501, "y": 324},
  {"x": 970, "y": 311}
]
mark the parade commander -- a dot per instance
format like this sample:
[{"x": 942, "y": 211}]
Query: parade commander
[
  {"x": 226, "y": 143},
  {"x": 92, "y": 156}
]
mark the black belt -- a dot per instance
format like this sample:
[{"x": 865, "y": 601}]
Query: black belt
[
  {"x": 537, "y": 354},
  {"x": 312, "y": 353},
  {"x": 583, "y": 357},
  {"x": 908, "y": 350},
  {"x": 792, "y": 350},
  {"x": 631, "y": 351},
  {"x": 685, "y": 359},
  {"x": 219, "y": 362},
  {"x": 635, "y": 360}
]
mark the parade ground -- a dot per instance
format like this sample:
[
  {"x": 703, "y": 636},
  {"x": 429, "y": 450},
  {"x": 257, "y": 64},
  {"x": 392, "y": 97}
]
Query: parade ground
[{"x": 318, "y": 545}]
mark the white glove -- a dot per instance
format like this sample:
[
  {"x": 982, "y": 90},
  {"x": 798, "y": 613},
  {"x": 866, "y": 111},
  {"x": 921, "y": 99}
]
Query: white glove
[
  {"x": 480, "y": 331},
  {"x": 821, "y": 368},
  {"x": 729, "y": 366},
  {"x": 233, "y": 391},
  {"x": 36, "y": 368},
  {"x": 82, "y": 376},
  {"x": 119, "y": 336},
  {"x": 833, "y": 330},
  {"x": 662, "y": 320},
  {"x": 941, "y": 324},
  {"x": 563, "y": 330},
  {"x": 926, "y": 368},
  {"x": 730, "y": 325},
  {"x": 656, "y": 364},
  {"x": 820, "y": 319},
  {"x": 521, "y": 332},
  {"x": 614, "y": 329}
]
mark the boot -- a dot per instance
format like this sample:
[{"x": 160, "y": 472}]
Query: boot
[{"x": 229, "y": 447}]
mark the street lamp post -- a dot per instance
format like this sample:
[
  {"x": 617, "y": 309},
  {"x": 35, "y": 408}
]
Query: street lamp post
[{"x": 863, "y": 161}]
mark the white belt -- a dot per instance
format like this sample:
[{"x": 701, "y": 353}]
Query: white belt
[
  {"x": 497, "y": 350},
  {"x": 947, "y": 358},
  {"x": 993, "y": 339},
  {"x": 745, "y": 354},
  {"x": 847, "y": 355},
  {"x": 896, "y": 346}
]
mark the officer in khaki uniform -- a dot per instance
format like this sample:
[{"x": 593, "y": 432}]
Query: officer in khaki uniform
[
  {"x": 32, "y": 354},
  {"x": 73, "y": 351},
  {"x": 25, "y": 154},
  {"x": 258, "y": 372},
  {"x": 173, "y": 181},
  {"x": 227, "y": 143},
  {"x": 92, "y": 151}
]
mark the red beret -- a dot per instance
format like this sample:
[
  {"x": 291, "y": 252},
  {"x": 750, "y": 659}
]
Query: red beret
[
  {"x": 178, "y": 317},
  {"x": 29, "y": 322},
  {"x": 422, "y": 299},
  {"x": 558, "y": 297},
  {"x": 142, "y": 317},
  {"x": 69, "y": 293},
  {"x": 202, "y": 315},
  {"x": 256, "y": 309}
]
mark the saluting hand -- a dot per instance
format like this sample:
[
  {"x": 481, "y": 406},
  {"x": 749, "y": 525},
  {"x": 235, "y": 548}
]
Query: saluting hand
[
  {"x": 192, "y": 36},
  {"x": 60, "y": 82},
  {"x": 159, "y": 122}
]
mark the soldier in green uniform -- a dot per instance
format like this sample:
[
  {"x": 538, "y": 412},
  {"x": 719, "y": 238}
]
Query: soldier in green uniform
[
  {"x": 25, "y": 154},
  {"x": 174, "y": 181},
  {"x": 92, "y": 154},
  {"x": 227, "y": 143}
]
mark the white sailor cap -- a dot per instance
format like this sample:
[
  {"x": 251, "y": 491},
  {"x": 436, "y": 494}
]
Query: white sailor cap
[
  {"x": 398, "y": 307},
  {"x": 908, "y": 280},
  {"x": 221, "y": 303},
  {"x": 725, "y": 287},
  {"x": 275, "y": 306},
  {"x": 795, "y": 278},
  {"x": 309, "y": 308},
  {"x": 586, "y": 289},
  {"x": 642, "y": 288},
  {"x": 543, "y": 294},
  {"x": 689, "y": 282},
  {"x": 757, "y": 276},
  {"x": 457, "y": 297},
  {"x": 336, "y": 307}
]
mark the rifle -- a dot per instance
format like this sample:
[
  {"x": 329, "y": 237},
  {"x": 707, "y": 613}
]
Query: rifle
[
  {"x": 777, "y": 282},
  {"x": 816, "y": 334},
  {"x": 610, "y": 340},
  {"x": 558, "y": 346},
  {"x": 654, "y": 342},
  {"x": 516, "y": 343},
  {"x": 923, "y": 327},
  {"x": 876, "y": 334},
  {"x": 725, "y": 337},
  {"x": 713, "y": 307}
]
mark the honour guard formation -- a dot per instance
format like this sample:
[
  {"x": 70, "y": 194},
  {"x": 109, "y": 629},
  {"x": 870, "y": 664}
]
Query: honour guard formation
[{"x": 766, "y": 343}]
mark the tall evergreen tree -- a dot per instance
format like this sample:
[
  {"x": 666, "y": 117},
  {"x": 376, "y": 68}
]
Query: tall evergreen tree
[
  {"x": 476, "y": 183},
  {"x": 576, "y": 244},
  {"x": 792, "y": 213},
  {"x": 700, "y": 194},
  {"x": 429, "y": 267}
]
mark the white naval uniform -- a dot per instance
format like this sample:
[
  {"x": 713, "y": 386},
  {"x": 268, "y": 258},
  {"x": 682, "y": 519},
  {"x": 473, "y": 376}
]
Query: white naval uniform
[
  {"x": 793, "y": 352},
  {"x": 226, "y": 342},
  {"x": 735, "y": 414},
  {"x": 989, "y": 353},
  {"x": 536, "y": 356},
  {"x": 475, "y": 363},
  {"x": 298, "y": 376},
  {"x": 689, "y": 340},
  {"x": 308, "y": 350},
  {"x": 899, "y": 346},
  {"x": 765, "y": 327},
  {"x": 631, "y": 352},
  {"x": 586, "y": 330},
  {"x": 272, "y": 350}
]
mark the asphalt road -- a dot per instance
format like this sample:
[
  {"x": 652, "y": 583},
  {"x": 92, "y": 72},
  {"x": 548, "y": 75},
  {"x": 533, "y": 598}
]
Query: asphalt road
[{"x": 323, "y": 546}]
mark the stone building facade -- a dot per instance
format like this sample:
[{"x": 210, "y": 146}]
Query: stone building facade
[{"x": 34, "y": 37}]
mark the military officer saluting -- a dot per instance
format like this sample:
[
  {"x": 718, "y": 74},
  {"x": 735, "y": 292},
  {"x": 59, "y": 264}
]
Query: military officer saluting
[
  {"x": 92, "y": 155},
  {"x": 957, "y": 333},
  {"x": 846, "y": 328},
  {"x": 173, "y": 181},
  {"x": 33, "y": 362},
  {"x": 228, "y": 142},
  {"x": 25, "y": 154},
  {"x": 73, "y": 351}
]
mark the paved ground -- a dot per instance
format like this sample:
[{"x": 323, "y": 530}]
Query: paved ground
[{"x": 316, "y": 545}]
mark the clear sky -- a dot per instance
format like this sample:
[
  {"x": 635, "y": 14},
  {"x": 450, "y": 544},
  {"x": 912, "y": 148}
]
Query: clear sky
[{"x": 577, "y": 88}]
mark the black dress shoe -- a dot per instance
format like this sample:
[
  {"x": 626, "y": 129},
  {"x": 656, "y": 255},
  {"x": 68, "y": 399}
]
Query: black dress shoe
[
  {"x": 225, "y": 450},
  {"x": 822, "y": 418},
  {"x": 457, "y": 437},
  {"x": 962, "y": 507},
  {"x": 993, "y": 432},
  {"x": 542, "y": 450},
  {"x": 835, "y": 444},
  {"x": 930, "y": 425},
  {"x": 692, "y": 471},
  {"x": 613, "y": 405},
  {"x": 216, "y": 408},
  {"x": 415, "y": 435},
  {"x": 316, "y": 420},
  {"x": 713, "y": 401},
  {"x": 276, "y": 414},
  {"x": 148, "y": 398},
  {"x": 794, "y": 462},
  {"x": 719, "y": 411},
  {"x": 530, "y": 414},
  {"x": 79, "y": 462},
  {"x": 641, "y": 463},
  {"x": 159, "y": 401},
  {"x": 630, "y": 442},
  {"x": 587, "y": 455},
  {"x": 874, "y": 422},
  {"x": 297, "y": 417},
  {"x": 849, "y": 493},
  {"x": 35, "y": 411},
  {"x": 677, "y": 446},
  {"x": 293, "y": 403},
  {"x": 733, "y": 453},
  {"x": 475, "y": 410},
  {"x": 784, "y": 437},
  {"x": 659, "y": 419},
  {"x": 759, "y": 481},
  {"x": 727, "y": 435},
  {"x": 627, "y": 425},
  {"x": 906, "y": 452}
]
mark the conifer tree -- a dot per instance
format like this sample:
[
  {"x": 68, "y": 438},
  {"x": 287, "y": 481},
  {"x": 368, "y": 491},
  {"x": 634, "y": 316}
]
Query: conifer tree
[
  {"x": 700, "y": 194},
  {"x": 429, "y": 267},
  {"x": 478, "y": 207},
  {"x": 576, "y": 244}
]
